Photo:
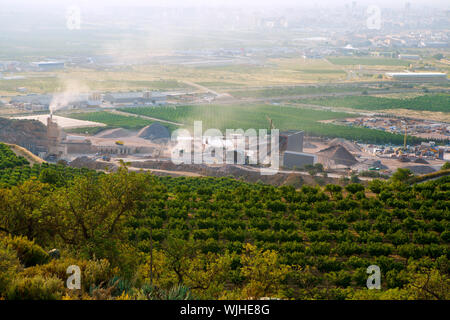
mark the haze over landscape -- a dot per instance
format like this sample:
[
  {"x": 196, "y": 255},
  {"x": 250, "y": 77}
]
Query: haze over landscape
[{"x": 224, "y": 150}]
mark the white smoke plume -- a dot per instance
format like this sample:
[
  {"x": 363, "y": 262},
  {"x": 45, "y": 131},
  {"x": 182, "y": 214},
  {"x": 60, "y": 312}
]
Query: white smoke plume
[{"x": 73, "y": 90}]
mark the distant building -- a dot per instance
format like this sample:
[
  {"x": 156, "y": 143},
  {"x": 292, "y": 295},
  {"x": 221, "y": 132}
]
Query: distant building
[
  {"x": 135, "y": 98},
  {"x": 418, "y": 76},
  {"x": 382, "y": 54},
  {"x": 291, "y": 147},
  {"x": 84, "y": 100},
  {"x": 9, "y": 65},
  {"x": 32, "y": 98},
  {"x": 49, "y": 65},
  {"x": 77, "y": 145},
  {"x": 33, "y": 102},
  {"x": 291, "y": 141},
  {"x": 54, "y": 137},
  {"x": 292, "y": 159},
  {"x": 436, "y": 44}
]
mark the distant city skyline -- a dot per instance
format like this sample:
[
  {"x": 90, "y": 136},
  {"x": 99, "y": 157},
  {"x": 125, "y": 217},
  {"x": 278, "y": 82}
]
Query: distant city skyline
[{"x": 228, "y": 3}]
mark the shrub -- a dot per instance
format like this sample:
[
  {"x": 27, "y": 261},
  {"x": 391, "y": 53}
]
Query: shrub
[
  {"x": 36, "y": 288},
  {"x": 96, "y": 272},
  {"x": 446, "y": 166},
  {"x": 379, "y": 249},
  {"x": 410, "y": 250},
  {"x": 93, "y": 272},
  {"x": 29, "y": 253},
  {"x": 9, "y": 266},
  {"x": 354, "y": 188}
]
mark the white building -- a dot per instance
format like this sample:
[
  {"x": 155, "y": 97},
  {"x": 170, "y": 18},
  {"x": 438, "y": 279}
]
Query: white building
[{"x": 418, "y": 76}]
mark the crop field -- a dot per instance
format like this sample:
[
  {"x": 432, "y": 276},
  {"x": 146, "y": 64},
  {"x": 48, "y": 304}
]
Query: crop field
[
  {"x": 274, "y": 72},
  {"x": 436, "y": 102},
  {"x": 284, "y": 118},
  {"x": 15, "y": 170},
  {"x": 292, "y": 91},
  {"x": 113, "y": 85},
  {"x": 8, "y": 159},
  {"x": 111, "y": 120},
  {"x": 83, "y": 80},
  {"x": 38, "y": 84}
]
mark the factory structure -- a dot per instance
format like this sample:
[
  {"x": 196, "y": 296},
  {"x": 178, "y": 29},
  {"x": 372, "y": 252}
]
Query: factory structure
[
  {"x": 291, "y": 151},
  {"x": 41, "y": 102},
  {"x": 418, "y": 76},
  {"x": 135, "y": 98},
  {"x": 243, "y": 149},
  {"x": 64, "y": 146},
  {"x": 49, "y": 65}
]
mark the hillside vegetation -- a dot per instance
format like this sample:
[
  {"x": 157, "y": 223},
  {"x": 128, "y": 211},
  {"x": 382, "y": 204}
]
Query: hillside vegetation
[{"x": 136, "y": 236}]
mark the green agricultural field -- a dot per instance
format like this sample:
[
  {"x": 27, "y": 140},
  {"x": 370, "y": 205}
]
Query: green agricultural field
[
  {"x": 284, "y": 118},
  {"x": 292, "y": 91},
  {"x": 435, "y": 102},
  {"x": 112, "y": 120}
]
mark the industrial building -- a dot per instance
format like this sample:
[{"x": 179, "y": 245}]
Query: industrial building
[
  {"x": 292, "y": 159},
  {"x": 418, "y": 76},
  {"x": 49, "y": 65},
  {"x": 54, "y": 137},
  {"x": 135, "y": 98},
  {"x": 38, "y": 99},
  {"x": 292, "y": 141},
  {"x": 291, "y": 150}
]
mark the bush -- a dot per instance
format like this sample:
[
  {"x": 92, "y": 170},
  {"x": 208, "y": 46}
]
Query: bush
[
  {"x": 354, "y": 188},
  {"x": 29, "y": 253},
  {"x": 9, "y": 266},
  {"x": 379, "y": 249},
  {"x": 36, "y": 288},
  {"x": 93, "y": 272}
]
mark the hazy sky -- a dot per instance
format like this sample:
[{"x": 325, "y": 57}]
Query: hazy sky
[{"x": 237, "y": 3}]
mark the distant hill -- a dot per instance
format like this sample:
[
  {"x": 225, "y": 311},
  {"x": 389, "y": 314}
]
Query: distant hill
[{"x": 30, "y": 134}]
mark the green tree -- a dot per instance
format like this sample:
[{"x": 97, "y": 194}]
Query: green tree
[
  {"x": 263, "y": 272},
  {"x": 21, "y": 208},
  {"x": 402, "y": 175},
  {"x": 353, "y": 188},
  {"x": 91, "y": 213},
  {"x": 446, "y": 166}
]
